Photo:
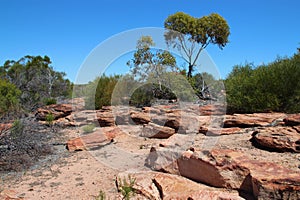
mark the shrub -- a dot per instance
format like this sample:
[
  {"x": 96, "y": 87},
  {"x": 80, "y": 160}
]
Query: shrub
[
  {"x": 17, "y": 130},
  {"x": 50, "y": 101},
  {"x": 126, "y": 187},
  {"x": 272, "y": 87},
  {"x": 49, "y": 119},
  {"x": 88, "y": 128},
  {"x": 9, "y": 98}
]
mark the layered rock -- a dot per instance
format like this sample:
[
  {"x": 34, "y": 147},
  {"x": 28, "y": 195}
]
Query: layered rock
[
  {"x": 152, "y": 130},
  {"x": 253, "y": 120},
  {"x": 140, "y": 117},
  {"x": 281, "y": 139},
  {"x": 105, "y": 117},
  {"x": 57, "y": 110},
  {"x": 292, "y": 120},
  {"x": 234, "y": 170}
]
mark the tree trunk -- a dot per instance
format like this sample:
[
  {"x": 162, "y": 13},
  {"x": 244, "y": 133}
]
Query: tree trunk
[{"x": 189, "y": 74}]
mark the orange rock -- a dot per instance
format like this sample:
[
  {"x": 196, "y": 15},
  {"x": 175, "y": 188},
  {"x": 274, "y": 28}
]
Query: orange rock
[{"x": 99, "y": 138}]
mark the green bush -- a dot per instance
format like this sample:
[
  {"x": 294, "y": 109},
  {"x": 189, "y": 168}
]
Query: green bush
[
  {"x": 50, "y": 101},
  {"x": 99, "y": 92},
  {"x": 17, "y": 130},
  {"x": 88, "y": 128},
  {"x": 9, "y": 98},
  {"x": 272, "y": 87},
  {"x": 50, "y": 118}
]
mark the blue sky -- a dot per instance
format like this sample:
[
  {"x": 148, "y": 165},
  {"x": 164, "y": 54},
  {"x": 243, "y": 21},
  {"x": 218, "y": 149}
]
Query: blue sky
[{"x": 68, "y": 30}]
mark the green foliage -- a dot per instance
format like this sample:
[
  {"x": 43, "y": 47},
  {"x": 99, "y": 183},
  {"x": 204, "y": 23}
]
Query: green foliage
[
  {"x": 49, "y": 119},
  {"x": 272, "y": 87},
  {"x": 99, "y": 92},
  {"x": 9, "y": 98},
  {"x": 148, "y": 61},
  {"x": 187, "y": 32},
  {"x": 36, "y": 79},
  {"x": 126, "y": 187},
  {"x": 50, "y": 101},
  {"x": 17, "y": 130},
  {"x": 88, "y": 128}
]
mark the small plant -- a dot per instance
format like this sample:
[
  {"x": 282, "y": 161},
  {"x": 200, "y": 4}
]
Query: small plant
[
  {"x": 88, "y": 128},
  {"x": 101, "y": 196},
  {"x": 49, "y": 119},
  {"x": 17, "y": 129},
  {"x": 50, "y": 101},
  {"x": 126, "y": 187}
]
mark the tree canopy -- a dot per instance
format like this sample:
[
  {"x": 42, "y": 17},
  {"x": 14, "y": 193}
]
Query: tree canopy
[
  {"x": 191, "y": 35},
  {"x": 36, "y": 79}
]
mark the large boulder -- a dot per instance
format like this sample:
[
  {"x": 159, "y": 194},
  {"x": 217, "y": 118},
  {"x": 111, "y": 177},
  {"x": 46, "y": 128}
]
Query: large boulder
[
  {"x": 232, "y": 169},
  {"x": 253, "y": 120},
  {"x": 158, "y": 186},
  {"x": 281, "y": 139}
]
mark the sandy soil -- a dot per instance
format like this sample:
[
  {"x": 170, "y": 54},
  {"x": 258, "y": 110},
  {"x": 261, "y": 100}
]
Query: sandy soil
[{"x": 83, "y": 174}]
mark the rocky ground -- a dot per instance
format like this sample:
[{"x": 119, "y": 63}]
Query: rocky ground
[{"x": 174, "y": 151}]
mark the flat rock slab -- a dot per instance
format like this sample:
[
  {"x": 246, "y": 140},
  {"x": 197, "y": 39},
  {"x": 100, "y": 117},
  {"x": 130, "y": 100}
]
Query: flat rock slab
[
  {"x": 100, "y": 137},
  {"x": 152, "y": 130},
  {"x": 252, "y": 120},
  {"x": 281, "y": 139},
  {"x": 232, "y": 169}
]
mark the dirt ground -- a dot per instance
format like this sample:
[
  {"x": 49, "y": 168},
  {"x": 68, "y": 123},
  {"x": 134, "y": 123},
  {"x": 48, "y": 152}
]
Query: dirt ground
[{"x": 83, "y": 174}]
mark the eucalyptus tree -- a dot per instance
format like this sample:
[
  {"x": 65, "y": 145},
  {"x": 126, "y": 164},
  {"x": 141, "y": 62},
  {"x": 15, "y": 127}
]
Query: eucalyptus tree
[{"x": 192, "y": 35}]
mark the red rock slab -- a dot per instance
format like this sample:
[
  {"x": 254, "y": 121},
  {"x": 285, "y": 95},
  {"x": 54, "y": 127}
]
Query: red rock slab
[
  {"x": 101, "y": 137},
  {"x": 292, "y": 120},
  {"x": 5, "y": 127},
  {"x": 232, "y": 169},
  {"x": 140, "y": 117},
  {"x": 281, "y": 139},
  {"x": 152, "y": 130},
  {"x": 57, "y": 110},
  {"x": 220, "y": 131},
  {"x": 251, "y": 120}
]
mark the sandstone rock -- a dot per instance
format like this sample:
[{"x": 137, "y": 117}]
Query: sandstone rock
[
  {"x": 212, "y": 110},
  {"x": 221, "y": 131},
  {"x": 152, "y": 130},
  {"x": 57, "y": 110},
  {"x": 151, "y": 110},
  {"x": 5, "y": 127},
  {"x": 158, "y": 186},
  {"x": 234, "y": 170},
  {"x": 168, "y": 119},
  {"x": 164, "y": 159},
  {"x": 140, "y": 117},
  {"x": 252, "y": 120},
  {"x": 292, "y": 120},
  {"x": 101, "y": 137},
  {"x": 105, "y": 118},
  {"x": 281, "y": 139},
  {"x": 177, "y": 140}
]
